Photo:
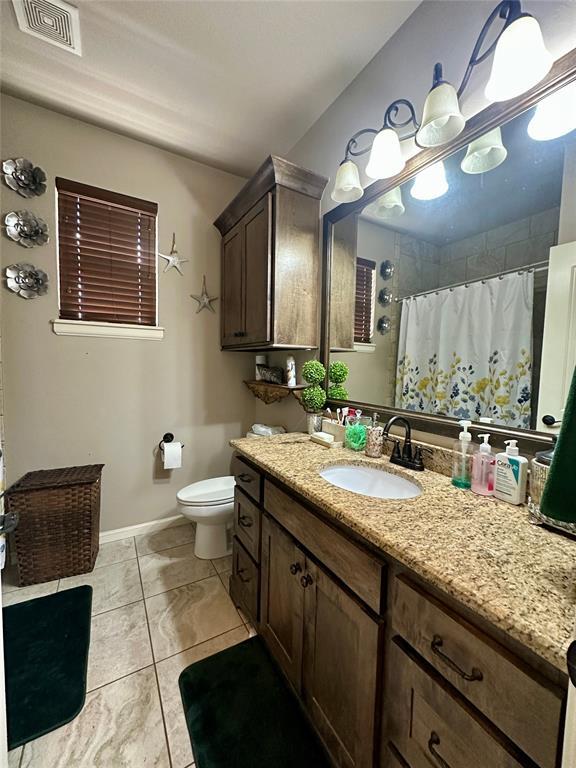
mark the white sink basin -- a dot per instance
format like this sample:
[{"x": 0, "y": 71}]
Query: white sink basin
[{"x": 368, "y": 481}]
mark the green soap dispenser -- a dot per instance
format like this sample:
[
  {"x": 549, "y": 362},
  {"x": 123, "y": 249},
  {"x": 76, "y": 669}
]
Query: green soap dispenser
[{"x": 462, "y": 458}]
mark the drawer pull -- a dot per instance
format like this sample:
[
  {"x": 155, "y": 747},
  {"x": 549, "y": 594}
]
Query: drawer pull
[
  {"x": 244, "y": 477},
  {"x": 295, "y": 568},
  {"x": 436, "y": 644},
  {"x": 433, "y": 742},
  {"x": 239, "y": 572},
  {"x": 245, "y": 521},
  {"x": 306, "y": 580}
]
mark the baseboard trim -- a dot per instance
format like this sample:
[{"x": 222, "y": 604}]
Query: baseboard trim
[{"x": 142, "y": 528}]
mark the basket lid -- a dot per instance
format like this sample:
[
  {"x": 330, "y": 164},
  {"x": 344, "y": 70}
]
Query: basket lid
[{"x": 54, "y": 478}]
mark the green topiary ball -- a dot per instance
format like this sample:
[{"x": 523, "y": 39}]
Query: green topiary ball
[
  {"x": 313, "y": 398},
  {"x": 313, "y": 372},
  {"x": 337, "y": 392},
  {"x": 337, "y": 372}
]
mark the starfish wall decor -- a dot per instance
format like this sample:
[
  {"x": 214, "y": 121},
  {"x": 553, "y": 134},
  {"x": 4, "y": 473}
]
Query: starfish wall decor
[
  {"x": 173, "y": 260},
  {"x": 204, "y": 300}
]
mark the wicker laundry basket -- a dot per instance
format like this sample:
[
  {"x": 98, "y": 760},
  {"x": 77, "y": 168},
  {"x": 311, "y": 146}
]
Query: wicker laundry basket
[{"x": 58, "y": 530}]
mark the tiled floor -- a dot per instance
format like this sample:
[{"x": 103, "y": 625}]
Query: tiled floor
[{"x": 156, "y": 609}]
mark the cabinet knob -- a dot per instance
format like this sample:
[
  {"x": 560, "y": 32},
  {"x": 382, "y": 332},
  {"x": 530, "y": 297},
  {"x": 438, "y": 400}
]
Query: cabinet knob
[
  {"x": 295, "y": 568},
  {"x": 239, "y": 573},
  {"x": 306, "y": 580}
]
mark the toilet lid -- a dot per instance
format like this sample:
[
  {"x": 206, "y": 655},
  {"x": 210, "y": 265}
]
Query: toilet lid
[{"x": 216, "y": 490}]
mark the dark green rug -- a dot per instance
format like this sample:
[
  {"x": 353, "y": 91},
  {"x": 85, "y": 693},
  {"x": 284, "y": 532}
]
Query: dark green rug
[
  {"x": 241, "y": 713},
  {"x": 46, "y": 643}
]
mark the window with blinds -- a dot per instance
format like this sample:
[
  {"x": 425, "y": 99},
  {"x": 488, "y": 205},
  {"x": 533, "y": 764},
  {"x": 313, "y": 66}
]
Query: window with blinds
[
  {"x": 365, "y": 301},
  {"x": 107, "y": 255}
]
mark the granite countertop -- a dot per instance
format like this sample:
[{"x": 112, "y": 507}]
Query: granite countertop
[{"x": 483, "y": 552}]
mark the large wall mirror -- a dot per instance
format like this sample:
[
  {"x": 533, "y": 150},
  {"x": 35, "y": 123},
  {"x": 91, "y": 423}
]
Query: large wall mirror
[{"x": 449, "y": 295}]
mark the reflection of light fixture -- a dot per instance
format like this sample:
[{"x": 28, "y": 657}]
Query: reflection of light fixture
[
  {"x": 386, "y": 156},
  {"x": 555, "y": 115},
  {"x": 430, "y": 183},
  {"x": 390, "y": 205},
  {"x": 347, "y": 187},
  {"x": 521, "y": 59},
  {"x": 442, "y": 120},
  {"x": 485, "y": 153}
]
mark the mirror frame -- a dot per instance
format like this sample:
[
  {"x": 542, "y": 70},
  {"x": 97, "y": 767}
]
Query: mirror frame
[{"x": 562, "y": 73}]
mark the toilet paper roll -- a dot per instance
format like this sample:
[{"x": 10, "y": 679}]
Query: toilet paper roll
[{"x": 172, "y": 455}]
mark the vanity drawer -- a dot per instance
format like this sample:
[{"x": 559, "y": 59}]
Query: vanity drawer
[
  {"x": 362, "y": 573},
  {"x": 244, "y": 581},
  {"x": 487, "y": 674},
  {"x": 248, "y": 479},
  {"x": 431, "y": 727},
  {"x": 247, "y": 518}
]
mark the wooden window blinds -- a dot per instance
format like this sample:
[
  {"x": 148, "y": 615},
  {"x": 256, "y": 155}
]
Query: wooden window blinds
[
  {"x": 107, "y": 255},
  {"x": 365, "y": 300}
]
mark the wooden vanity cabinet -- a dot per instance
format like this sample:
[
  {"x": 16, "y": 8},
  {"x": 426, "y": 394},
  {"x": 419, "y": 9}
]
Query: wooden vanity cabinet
[{"x": 271, "y": 260}]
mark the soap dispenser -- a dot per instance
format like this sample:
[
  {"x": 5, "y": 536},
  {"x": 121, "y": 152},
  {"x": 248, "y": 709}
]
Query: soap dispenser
[
  {"x": 483, "y": 468},
  {"x": 462, "y": 457},
  {"x": 511, "y": 474}
]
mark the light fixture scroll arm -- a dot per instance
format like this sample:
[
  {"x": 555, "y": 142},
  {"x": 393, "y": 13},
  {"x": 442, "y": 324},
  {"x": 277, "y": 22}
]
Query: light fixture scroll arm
[
  {"x": 391, "y": 115},
  {"x": 509, "y": 10},
  {"x": 353, "y": 149}
]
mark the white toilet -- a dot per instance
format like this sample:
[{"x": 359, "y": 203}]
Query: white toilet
[{"x": 209, "y": 504}]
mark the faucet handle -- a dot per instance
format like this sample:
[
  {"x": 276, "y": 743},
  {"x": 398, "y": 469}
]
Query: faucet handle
[
  {"x": 395, "y": 447},
  {"x": 417, "y": 460}
]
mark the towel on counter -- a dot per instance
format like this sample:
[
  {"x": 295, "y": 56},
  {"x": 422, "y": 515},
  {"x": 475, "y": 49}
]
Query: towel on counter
[{"x": 559, "y": 497}]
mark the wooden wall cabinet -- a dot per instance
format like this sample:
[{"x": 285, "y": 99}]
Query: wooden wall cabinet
[{"x": 271, "y": 260}]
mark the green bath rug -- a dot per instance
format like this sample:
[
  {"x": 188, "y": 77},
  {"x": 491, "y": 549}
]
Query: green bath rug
[
  {"x": 46, "y": 643},
  {"x": 241, "y": 713}
]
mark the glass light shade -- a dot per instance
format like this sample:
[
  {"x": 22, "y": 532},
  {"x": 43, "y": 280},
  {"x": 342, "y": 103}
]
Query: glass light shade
[
  {"x": 347, "y": 187},
  {"x": 430, "y": 183},
  {"x": 485, "y": 153},
  {"x": 390, "y": 205},
  {"x": 442, "y": 120},
  {"x": 521, "y": 60},
  {"x": 385, "y": 156},
  {"x": 555, "y": 115}
]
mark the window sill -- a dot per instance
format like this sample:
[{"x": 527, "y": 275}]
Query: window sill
[
  {"x": 365, "y": 348},
  {"x": 107, "y": 330}
]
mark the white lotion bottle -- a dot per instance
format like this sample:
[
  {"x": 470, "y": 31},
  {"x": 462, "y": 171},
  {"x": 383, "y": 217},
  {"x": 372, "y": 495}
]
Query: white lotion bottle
[{"x": 511, "y": 474}]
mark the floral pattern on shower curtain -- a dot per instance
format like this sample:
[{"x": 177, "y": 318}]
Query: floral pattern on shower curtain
[{"x": 467, "y": 351}]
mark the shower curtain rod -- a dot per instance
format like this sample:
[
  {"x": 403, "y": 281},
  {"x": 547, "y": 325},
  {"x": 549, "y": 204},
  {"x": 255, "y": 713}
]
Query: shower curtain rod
[{"x": 540, "y": 266}]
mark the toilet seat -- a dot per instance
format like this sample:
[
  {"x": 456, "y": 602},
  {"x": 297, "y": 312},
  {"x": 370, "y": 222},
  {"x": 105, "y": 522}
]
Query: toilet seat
[{"x": 208, "y": 493}]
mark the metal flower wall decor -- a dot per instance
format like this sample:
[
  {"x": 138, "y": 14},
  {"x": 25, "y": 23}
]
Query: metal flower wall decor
[
  {"x": 24, "y": 177},
  {"x": 26, "y": 228},
  {"x": 26, "y": 280}
]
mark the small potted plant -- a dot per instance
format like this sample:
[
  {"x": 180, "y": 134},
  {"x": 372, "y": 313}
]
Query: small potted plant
[
  {"x": 314, "y": 396},
  {"x": 337, "y": 375}
]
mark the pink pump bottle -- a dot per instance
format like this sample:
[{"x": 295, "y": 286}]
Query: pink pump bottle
[{"x": 483, "y": 464}]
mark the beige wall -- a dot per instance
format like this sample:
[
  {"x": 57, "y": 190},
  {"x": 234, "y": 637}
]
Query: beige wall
[{"x": 81, "y": 400}]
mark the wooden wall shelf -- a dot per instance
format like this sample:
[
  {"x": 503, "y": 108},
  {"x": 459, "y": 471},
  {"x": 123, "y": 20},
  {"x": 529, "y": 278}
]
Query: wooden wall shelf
[{"x": 272, "y": 393}]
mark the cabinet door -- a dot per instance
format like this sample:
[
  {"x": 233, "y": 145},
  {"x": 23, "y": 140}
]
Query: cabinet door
[
  {"x": 281, "y": 614},
  {"x": 232, "y": 330},
  {"x": 257, "y": 232},
  {"x": 340, "y": 669}
]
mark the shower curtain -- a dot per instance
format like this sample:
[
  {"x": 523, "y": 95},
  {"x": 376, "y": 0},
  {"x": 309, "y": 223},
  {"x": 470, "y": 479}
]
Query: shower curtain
[{"x": 467, "y": 351}]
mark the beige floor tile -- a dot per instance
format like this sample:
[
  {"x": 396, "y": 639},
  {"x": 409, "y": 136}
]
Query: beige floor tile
[
  {"x": 168, "y": 673},
  {"x": 29, "y": 593},
  {"x": 223, "y": 564},
  {"x": 172, "y": 568},
  {"x": 189, "y": 615},
  {"x": 225, "y": 579},
  {"x": 119, "y": 644},
  {"x": 165, "y": 539},
  {"x": 114, "y": 586},
  {"x": 116, "y": 552},
  {"x": 14, "y": 757},
  {"x": 119, "y": 727}
]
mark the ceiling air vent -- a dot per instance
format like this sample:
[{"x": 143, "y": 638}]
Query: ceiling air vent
[{"x": 53, "y": 21}]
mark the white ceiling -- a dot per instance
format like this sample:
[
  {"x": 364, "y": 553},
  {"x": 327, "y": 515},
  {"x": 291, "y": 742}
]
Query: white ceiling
[{"x": 226, "y": 83}]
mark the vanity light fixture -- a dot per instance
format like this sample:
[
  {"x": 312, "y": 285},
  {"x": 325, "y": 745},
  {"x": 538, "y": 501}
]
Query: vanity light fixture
[
  {"x": 520, "y": 61},
  {"x": 347, "y": 187},
  {"x": 555, "y": 115},
  {"x": 442, "y": 120},
  {"x": 485, "y": 153},
  {"x": 430, "y": 183},
  {"x": 390, "y": 205}
]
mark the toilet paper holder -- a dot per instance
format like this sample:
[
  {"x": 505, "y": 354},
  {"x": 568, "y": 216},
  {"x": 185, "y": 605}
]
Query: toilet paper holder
[{"x": 168, "y": 438}]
